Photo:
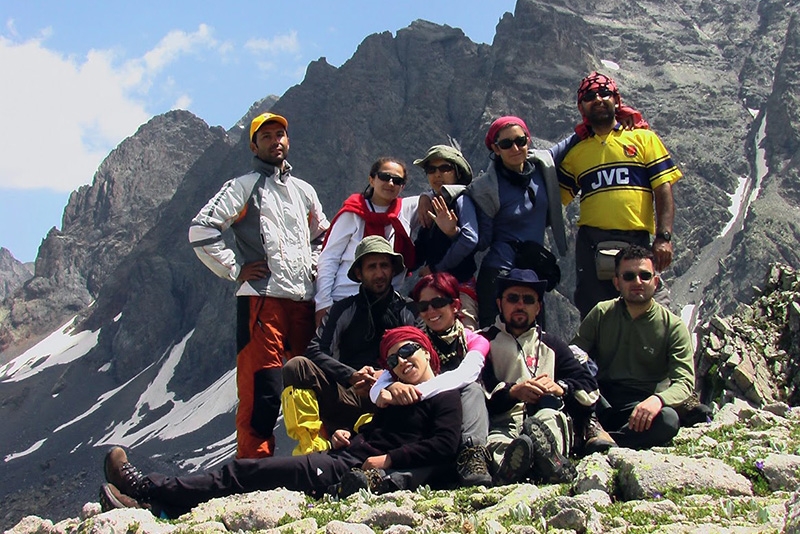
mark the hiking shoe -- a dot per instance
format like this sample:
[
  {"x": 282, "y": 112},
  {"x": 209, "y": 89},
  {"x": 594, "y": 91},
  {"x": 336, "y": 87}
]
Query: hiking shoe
[
  {"x": 472, "y": 466},
  {"x": 595, "y": 438},
  {"x": 112, "y": 498},
  {"x": 124, "y": 476},
  {"x": 358, "y": 479},
  {"x": 516, "y": 461},
  {"x": 548, "y": 465},
  {"x": 692, "y": 411}
]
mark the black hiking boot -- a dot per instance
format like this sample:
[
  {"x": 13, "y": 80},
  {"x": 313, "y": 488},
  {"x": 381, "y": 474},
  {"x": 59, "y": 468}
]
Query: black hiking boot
[
  {"x": 124, "y": 476},
  {"x": 472, "y": 466},
  {"x": 595, "y": 438},
  {"x": 516, "y": 462},
  {"x": 548, "y": 465},
  {"x": 358, "y": 479}
]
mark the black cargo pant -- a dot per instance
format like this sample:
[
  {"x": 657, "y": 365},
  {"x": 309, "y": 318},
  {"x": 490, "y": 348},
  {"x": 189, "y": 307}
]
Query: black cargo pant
[
  {"x": 614, "y": 409},
  {"x": 314, "y": 474}
]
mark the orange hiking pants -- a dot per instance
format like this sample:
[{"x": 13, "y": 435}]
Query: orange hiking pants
[{"x": 269, "y": 331}]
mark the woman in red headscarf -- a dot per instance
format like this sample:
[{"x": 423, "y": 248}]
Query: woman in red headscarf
[{"x": 400, "y": 437}]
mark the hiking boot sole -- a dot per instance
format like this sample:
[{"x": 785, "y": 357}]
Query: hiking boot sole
[
  {"x": 516, "y": 461},
  {"x": 548, "y": 464}
]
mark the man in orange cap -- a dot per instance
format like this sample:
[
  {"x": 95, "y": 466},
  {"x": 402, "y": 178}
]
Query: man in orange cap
[{"x": 278, "y": 224}]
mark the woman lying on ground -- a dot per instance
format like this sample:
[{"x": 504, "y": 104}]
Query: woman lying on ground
[
  {"x": 401, "y": 437},
  {"x": 462, "y": 354}
]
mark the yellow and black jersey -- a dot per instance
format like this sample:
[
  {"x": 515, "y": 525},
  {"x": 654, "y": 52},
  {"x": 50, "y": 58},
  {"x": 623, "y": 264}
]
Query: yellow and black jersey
[{"x": 615, "y": 177}]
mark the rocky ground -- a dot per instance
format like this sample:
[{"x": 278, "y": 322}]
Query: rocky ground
[{"x": 735, "y": 474}]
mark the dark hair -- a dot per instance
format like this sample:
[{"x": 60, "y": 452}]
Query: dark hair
[
  {"x": 444, "y": 283},
  {"x": 633, "y": 252},
  {"x": 373, "y": 172}
]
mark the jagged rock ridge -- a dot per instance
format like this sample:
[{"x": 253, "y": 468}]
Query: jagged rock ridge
[{"x": 13, "y": 273}]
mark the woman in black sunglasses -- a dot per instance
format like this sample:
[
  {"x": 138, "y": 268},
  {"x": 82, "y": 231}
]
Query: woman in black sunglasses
[
  {"x": 449, "y": 244},
  {"x": 398, "y": 437},
  {"x": 462, "y": 354},
  {"x": 518, "y": 197},
  {"x": 377, "y": 211}
]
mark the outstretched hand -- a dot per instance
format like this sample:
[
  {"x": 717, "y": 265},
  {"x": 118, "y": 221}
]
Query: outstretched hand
[{"x": 444, "y": 217}]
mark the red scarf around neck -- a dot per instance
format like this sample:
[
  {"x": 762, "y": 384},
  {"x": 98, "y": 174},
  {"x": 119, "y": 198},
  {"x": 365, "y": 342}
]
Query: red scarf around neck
[{"x": 375, "y": 223}]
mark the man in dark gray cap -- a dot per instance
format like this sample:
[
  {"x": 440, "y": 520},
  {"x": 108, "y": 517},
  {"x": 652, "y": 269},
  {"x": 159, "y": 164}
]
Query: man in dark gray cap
[{"x": 329, "y": 386}]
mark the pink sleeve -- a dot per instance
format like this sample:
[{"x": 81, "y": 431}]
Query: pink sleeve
[{"x": 476, "y": 342}]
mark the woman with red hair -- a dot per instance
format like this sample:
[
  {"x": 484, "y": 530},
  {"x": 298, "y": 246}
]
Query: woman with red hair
[{"x": 462, "y": 354}]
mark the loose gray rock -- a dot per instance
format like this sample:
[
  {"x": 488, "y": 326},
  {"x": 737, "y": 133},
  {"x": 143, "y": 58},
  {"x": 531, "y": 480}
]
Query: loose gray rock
[{"x": 646, "y": 474}]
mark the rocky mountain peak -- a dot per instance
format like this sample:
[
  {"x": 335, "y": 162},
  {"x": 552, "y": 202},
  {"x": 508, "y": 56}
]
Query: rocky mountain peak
[{"x": 13, "y": 273}]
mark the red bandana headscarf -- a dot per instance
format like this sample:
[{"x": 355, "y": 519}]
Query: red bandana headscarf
[
  {"x": 501, "y": 123},
  {"x": 407, "y": 333},
  {"x": 594, "y": 82}
]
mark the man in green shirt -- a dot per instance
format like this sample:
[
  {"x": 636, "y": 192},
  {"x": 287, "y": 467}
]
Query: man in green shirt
[{"x": 643, "y": 354}]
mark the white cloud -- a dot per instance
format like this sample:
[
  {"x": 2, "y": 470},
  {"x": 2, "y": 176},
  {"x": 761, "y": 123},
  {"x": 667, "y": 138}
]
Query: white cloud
[
  {"x": 63, "y": 114},
  {"x": 274, "y": 46},
  {"x": 183, "y": 102}
]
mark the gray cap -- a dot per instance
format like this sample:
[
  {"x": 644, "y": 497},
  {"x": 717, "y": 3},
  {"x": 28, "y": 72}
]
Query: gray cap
[
  {"x": 375, "y": 244},
  {"x": 451, "y": 154}
]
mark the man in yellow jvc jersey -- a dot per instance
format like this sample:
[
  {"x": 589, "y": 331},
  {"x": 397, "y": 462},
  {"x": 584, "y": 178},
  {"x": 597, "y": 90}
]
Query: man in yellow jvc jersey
[{"x": 619, "y": 174}]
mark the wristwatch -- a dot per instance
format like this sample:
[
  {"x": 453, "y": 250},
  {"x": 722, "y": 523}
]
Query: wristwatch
[
  {"x": 665, "y": 235},
  {"x": 564, "y": 386}
]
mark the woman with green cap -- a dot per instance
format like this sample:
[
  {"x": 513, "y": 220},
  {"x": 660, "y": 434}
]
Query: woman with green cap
[{"x": 450, "y": 244}]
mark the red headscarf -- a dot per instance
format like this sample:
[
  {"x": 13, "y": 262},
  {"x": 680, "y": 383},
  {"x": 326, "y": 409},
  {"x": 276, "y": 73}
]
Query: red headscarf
[
  {"x": 501, "y": 123},
  {"x": 596, "y": 81},
  {"x": 407, "y": 333}
]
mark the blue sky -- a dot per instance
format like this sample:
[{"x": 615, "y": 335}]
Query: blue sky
[{"x": 80, "y": 76}]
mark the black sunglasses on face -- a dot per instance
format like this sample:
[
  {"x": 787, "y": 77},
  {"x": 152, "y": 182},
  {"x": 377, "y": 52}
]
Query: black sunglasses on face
[
  {"x": 604, "y": 94},
  {"x": 630, "y": 276},
  {"x": 405, "y": 352},
  {"x": 438, "y": 303},
  {"x": 446, "y": 167},
  {"x": 389, "y": 177},
  {"x": 507, "y": 143},
  {"x": 513, "y": 298}
]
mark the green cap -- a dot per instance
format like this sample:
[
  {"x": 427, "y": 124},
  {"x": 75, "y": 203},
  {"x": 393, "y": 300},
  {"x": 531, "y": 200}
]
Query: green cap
[
  {"x": 375, "y": 244},
  {"x": 451, "y": 154}
]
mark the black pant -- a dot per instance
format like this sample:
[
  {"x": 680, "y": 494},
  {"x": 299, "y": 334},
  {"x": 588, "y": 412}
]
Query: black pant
[
  {"x": 614, "y": 409},
  {"x": 313, "y": 474},
  {"x": 589, "y": 290}
]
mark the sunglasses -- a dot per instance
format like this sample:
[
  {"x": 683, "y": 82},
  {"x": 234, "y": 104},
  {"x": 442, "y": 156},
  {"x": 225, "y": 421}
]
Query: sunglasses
[
  {"x": 405, "y": 352},
  {"x": 431, "y": 169},
  {"x": 438, "y": 303},
  {"x": 513, "y": 298},
  {"x": 507, "y": 143},
  {"x": 389, "y": 177},
  {"x": 604, "y": 94},
  {"x": 630, "y": 276}
]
